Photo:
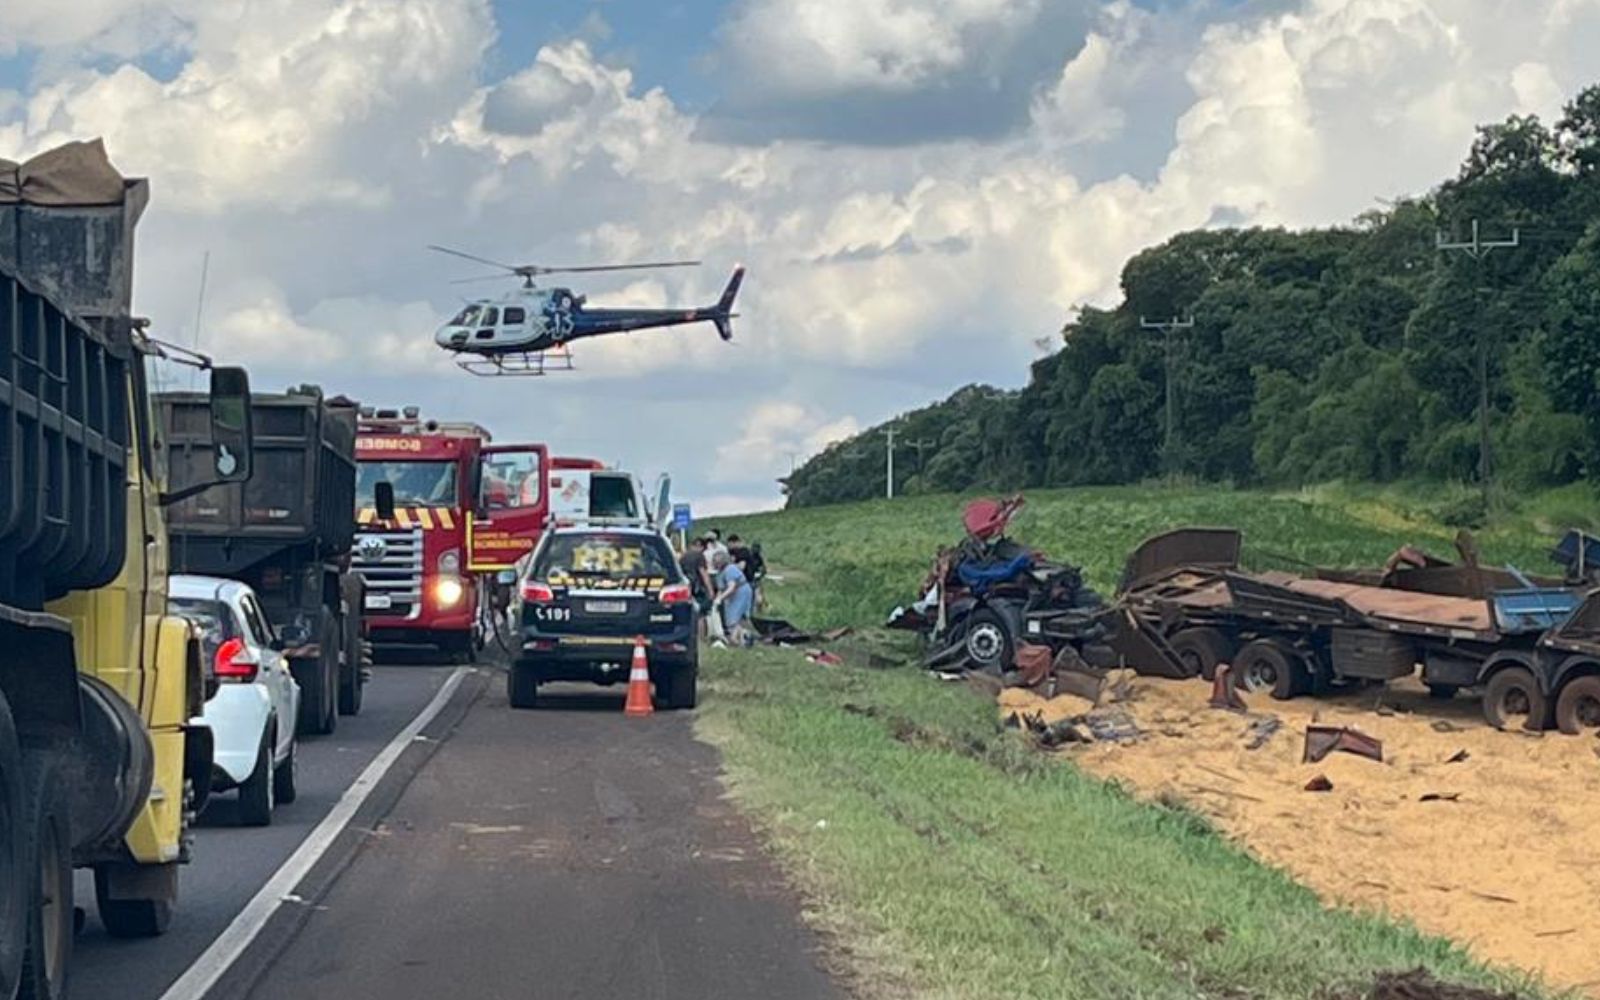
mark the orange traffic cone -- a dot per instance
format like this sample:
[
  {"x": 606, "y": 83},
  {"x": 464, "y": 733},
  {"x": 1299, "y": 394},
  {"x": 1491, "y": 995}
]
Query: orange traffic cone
[{"x": 639, "y": 683}]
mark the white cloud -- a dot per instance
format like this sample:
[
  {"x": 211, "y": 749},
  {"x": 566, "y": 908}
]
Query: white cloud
[{"x": 316, "y": 145}]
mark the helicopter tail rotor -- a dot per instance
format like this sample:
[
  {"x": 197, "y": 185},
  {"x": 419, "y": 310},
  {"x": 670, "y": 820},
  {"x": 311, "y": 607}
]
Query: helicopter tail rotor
[{"x": 722, "y": 314}]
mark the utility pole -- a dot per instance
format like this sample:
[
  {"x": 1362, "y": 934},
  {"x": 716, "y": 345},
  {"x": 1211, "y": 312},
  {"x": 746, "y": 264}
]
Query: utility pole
[
  {"x": 1167, "y": 328},
  {"x": 1479, "y": 248},
  {"x": 888, "y": 474}
]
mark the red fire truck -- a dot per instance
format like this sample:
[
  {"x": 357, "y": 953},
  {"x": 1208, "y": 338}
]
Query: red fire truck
[{"x": 457, "y": 498}]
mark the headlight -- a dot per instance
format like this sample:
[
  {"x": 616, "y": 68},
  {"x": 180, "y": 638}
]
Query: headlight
[
  {"x": 448, "y": 591},
  {"x": 450, "y": 562}
]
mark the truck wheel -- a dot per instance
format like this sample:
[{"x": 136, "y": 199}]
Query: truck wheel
[
  {"x": 1578, "y": 706},
  {"x": 255, "y": 794},
  {"x": 319, "y": 682},
  {"x": 352, "y": 673},
  {"x": 1512, "y": 699},
  {"x": 14, "y": 903},
  {"x": 1201, "y": 649},
  {"x": 1264, "y": 665},
  {"x": 49, "y": 881},
  {"x": 522, "y": 686},
  {"x": 682, "y": 684},
  {"x": 284, "y": 789},
  {"x": 130, "y": 918},
  {"x": 989, "y": 642}
]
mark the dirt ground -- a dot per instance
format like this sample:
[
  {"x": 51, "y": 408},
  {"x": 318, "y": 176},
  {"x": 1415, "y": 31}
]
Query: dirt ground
[{"x": 1503, "y": 862}]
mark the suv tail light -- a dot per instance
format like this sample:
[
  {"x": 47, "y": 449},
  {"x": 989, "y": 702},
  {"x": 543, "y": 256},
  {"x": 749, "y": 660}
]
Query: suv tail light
[
  {"x": 676, "y": 593},
  {"x": 235, "y": 662},
  {"x": 535, "y": 592}
]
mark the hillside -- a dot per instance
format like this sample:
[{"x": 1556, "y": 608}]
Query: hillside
[{"x": 852, "y": 563}]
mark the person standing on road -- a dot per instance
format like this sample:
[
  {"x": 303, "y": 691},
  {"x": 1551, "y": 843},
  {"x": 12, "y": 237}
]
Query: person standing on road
[{"x": 734, "y": 597}]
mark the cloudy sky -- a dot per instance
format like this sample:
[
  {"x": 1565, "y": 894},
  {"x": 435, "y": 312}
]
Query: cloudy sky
[{"x": 922, "y": 189}]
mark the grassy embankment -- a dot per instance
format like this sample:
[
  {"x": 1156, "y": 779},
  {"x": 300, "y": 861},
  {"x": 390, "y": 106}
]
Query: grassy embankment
[{"x": 950, "y": 860}]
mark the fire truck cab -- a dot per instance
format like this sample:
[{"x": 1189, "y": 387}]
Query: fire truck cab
[{"x": 458, "y": 499}]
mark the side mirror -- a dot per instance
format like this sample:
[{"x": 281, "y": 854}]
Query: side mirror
[
  {"x": 232, "y": 443},
  {"x": 383, "y": 499}
]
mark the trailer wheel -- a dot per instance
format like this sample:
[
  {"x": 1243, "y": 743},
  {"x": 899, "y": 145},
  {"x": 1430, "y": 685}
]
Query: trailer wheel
[
  {"x": 1265, "y": 665},
  {"x": 1578, "y": 706},
  {"x": 49, "y": 879},
  {"x": 1201, "y": 649},
  {"x": 1512, "y": 699},
  {"x": 319, "y": 708},
  {"x": 14, "y": 903},
  {"x": 352, "y": 665},
  {"x": 147, "y": 916}
]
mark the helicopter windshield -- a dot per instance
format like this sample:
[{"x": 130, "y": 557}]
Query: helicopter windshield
[{"x": 467, "y": 316}]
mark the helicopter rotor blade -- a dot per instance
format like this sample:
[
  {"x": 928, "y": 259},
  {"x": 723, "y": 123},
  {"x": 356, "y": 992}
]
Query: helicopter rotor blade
[
  {"x": 481, "y": 260},
  {"x": 481, "y": 277},
  {"x": 616, "y": 267}
]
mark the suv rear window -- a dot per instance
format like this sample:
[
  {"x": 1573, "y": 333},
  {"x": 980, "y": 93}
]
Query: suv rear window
[
  {"x": 213, "y": 618},
  {"x": 612, "y": 496},
  {"x": 605, "y": 556}
]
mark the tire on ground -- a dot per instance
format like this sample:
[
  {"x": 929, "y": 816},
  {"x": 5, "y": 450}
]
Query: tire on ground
[
  {"x": 256, "y": 792},
  {"x": 1578, "y": 705},
  {"x": 129, "y": 918},
  {"x": 682, "y": 687},
  {"x": 990, "y": 642},
  {"x": 1201, "y": 648},
  {"x": 1268, "y": 665},
  {"x": 522, "y": 685},
  {"x": 284, "y": 788},
  {"x": 1512, "y": 698},
  {"x": 49, "y": 873},
  {"x": 351, "y": 673}
]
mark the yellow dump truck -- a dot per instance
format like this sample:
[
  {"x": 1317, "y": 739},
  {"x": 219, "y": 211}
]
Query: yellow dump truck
[{"x": 99, "y": 767}]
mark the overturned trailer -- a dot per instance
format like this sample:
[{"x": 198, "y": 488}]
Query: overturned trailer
[{"x": 1531, "y": 646}]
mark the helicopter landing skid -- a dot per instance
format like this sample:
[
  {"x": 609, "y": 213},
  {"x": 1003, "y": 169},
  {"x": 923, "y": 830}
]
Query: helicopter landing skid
[{"x": 521, "y": 364}]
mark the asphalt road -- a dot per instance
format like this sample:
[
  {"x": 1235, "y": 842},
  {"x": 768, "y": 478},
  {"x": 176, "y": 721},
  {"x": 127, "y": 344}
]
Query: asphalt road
[
  {"x": 564, "y": 852},
  {"x": 232, "y": 862}
]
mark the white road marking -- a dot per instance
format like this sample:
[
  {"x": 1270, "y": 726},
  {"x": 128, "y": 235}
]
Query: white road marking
[{"x": 198, "y": 979}]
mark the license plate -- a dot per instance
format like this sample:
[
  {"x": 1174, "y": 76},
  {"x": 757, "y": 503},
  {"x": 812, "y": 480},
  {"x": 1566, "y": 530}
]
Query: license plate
[
  {"x": 606, "y": 607},
  {"x": 378, "y": 601}
]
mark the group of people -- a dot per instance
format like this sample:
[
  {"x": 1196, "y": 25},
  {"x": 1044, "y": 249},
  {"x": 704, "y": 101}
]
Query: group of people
[{"x": 726, "y": 580}]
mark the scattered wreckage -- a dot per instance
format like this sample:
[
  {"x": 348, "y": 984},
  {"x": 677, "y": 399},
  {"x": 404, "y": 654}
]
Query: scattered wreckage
[{"x": 1186, "y": 605}]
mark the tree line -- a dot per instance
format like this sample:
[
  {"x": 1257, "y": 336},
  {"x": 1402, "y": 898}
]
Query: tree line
[{"x": 1355, "y": 353}]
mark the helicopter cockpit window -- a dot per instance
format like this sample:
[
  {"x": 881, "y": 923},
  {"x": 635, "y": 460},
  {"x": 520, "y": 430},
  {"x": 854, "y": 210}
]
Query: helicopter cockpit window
[
  {"x": 466, "y": 317},
  {"x": 515, "y": 316},
  {"x": 490, "y": 317}
]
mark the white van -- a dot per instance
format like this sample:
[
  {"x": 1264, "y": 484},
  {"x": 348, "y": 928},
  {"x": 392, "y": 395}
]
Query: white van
[{"x": 605, "y": 496}]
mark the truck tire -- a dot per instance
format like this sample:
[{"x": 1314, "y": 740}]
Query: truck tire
[
  {"x": 1512, "y": 699},
  {"x": 522, "y": 685},
  {"x": 256, "y": 793},
  {"x": 319, "y": 682},
  {"x": 990, "y": 643},
  {"x": 682, "y": 687},
  {"x": 129, "y": 918},
  {"x": 1265, "y": 665},
  {"x": 352, "y": 663},
  {"x": 48, "y": 878},
  {"x": 1201, "y": 649},
  {"x": 14, "y": 901},
  {"x": 1578, "y": 705}
]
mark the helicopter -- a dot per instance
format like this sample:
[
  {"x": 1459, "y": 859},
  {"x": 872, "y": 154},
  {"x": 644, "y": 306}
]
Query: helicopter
[{"x": 529, "y": 331}]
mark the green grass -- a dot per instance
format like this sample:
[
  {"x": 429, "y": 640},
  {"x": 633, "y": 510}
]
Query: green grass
[
  {"x": 948, "y": 859},
  {"x": 851, "y": 564}
]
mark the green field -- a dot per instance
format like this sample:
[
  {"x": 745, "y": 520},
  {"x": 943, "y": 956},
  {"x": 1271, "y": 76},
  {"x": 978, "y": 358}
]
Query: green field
[
  {"x": 945, "y": 858},
  {"x": 851, "y": 564}
]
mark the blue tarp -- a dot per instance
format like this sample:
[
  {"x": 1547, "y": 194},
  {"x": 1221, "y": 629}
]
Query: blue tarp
[{"x": 981, "y": 577}]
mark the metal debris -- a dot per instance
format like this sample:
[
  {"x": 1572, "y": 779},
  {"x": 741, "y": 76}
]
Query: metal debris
[
  {"x": 1323, "y": 740},
  {"x": 1320, "y": 783},
  {"x": 1262, "y": 730}
]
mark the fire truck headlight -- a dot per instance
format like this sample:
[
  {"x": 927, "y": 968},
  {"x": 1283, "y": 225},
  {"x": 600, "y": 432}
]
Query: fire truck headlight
[
  {"x": 450, "y": 562},
  {"x": 448, "y": 591}
]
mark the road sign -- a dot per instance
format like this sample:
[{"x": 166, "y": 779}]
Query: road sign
[{"x": 681, "y": 517}]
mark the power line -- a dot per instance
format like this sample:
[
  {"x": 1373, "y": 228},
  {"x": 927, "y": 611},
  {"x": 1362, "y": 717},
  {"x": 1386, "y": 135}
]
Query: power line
[
  {"x": 1478, "y": 249},
  {"x": 1167, "y": 328}
]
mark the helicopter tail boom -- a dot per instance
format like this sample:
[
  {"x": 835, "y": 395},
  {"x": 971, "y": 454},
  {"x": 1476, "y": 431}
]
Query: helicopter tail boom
[{"x": 722, "y": 314}]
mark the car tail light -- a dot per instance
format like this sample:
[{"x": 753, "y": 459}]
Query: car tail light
[
  {"x": 236, "y": 662},
  {"x": 676, "y": 593},
  {"x": 535, "y": 592}
]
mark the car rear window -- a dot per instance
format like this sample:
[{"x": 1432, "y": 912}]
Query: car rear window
[
  {"x": 211, "y": 617},
  {"x": 605, "y": 557}
]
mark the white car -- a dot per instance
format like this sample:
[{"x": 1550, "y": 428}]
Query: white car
[{"x": 253, "y": 714}]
